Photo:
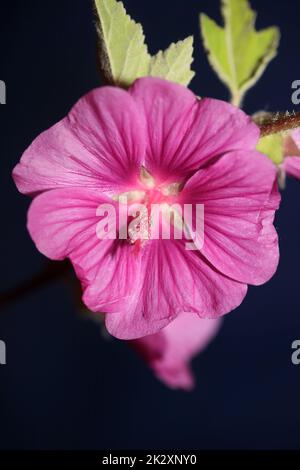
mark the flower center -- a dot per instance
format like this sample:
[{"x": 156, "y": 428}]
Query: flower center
[{"x": 140, "y": 203}]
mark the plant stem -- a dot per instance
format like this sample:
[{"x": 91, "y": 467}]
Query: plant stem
[
  {"x": 279, "y": 122},
  {"x": 52, "y": 271},
  {"x": 236, "y": 99}
]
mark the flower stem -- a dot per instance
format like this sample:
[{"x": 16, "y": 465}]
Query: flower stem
[
  {"x": 52, "y": 271},
  {"x": 279, "y": 122}
]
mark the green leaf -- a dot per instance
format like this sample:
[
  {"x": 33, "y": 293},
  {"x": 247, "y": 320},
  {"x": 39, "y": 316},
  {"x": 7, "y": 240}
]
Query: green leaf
[
  {"x": 174, "y": 63},
  {"x": 123, "y": 52},
  {"x": 272, "y": 146},
  {"x": 124, "y": 55},
  {"x": 237, "y": 52}
]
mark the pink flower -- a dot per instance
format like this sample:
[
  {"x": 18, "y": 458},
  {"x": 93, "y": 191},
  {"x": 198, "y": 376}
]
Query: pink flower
[
  {"x": 159, "y": 141},
  {"x": 291, "y": 162},
  {"x": 169, "y": 351}
]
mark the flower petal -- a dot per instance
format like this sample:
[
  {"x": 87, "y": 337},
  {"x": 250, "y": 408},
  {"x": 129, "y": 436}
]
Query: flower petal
[
  {"x": 292, "y": 166},
  {"x": 63, "y": 223},
  {"x": 170, "y": 351},
  {"x": 185, "y": 132},
  {"x": 174, "y": 280},
  {"x": 240, "y": 197},
  {"x": 99, "y": 145},
  {"x": 291, "y": 144}
]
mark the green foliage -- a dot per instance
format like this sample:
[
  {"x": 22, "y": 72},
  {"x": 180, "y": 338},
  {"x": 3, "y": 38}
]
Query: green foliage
[
  {"x": 272, "y": 146},
  {"x": 237, "y": 52},
  {"x": 174, "y": 63},
  {"x": 124, "y": 55}
]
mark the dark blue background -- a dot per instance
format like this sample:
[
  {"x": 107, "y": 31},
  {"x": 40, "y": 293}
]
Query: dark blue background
[{"x": 66, "y": 387}]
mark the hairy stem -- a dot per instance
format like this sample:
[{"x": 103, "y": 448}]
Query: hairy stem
[{"x": 279, "y": 122}]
